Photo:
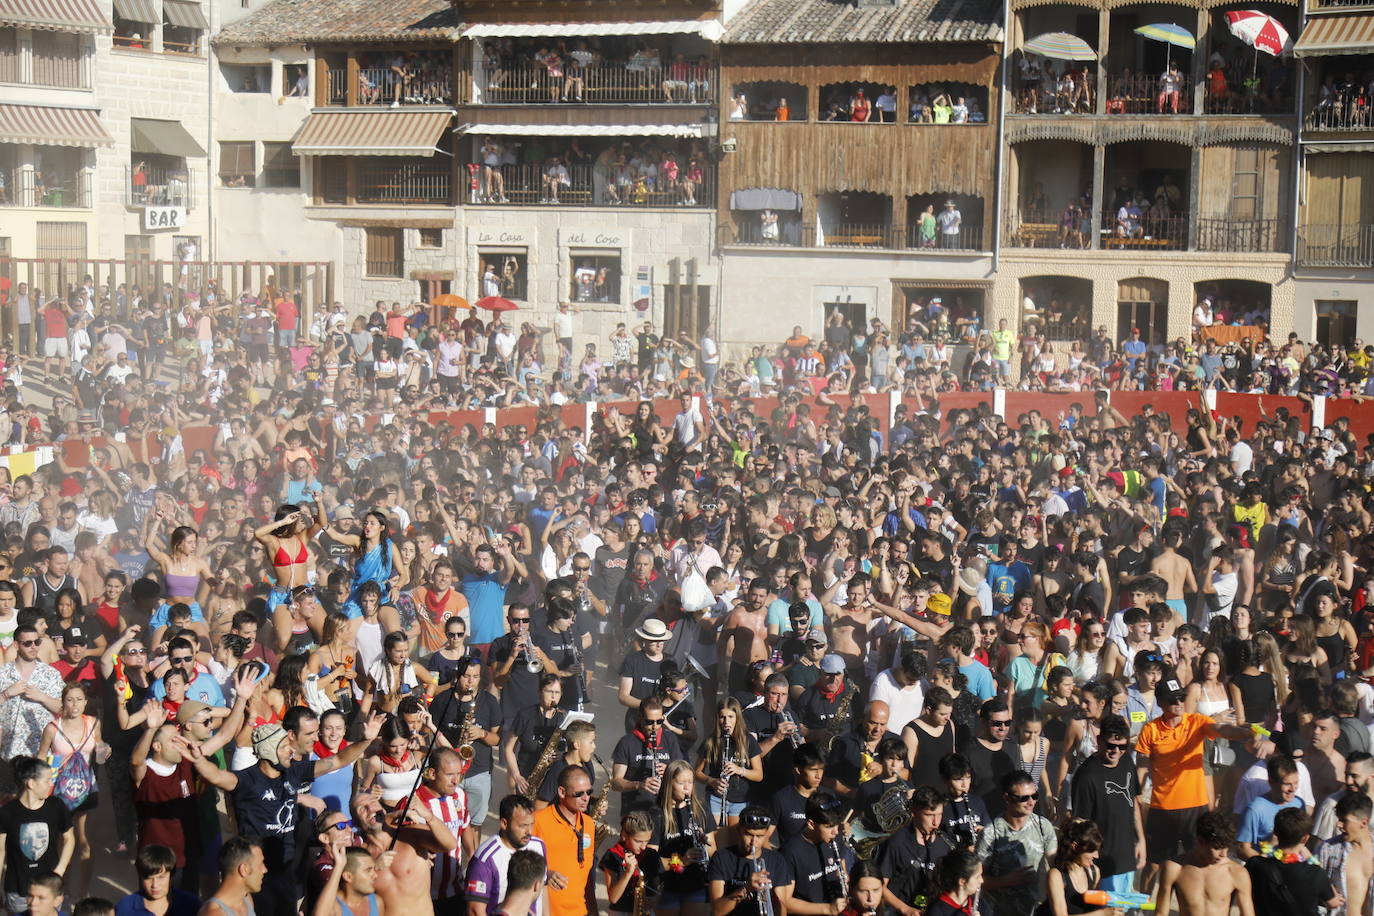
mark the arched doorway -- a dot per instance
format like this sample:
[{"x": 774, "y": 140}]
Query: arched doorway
[{"x": 1143, "y": 302}]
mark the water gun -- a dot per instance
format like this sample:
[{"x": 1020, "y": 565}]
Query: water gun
[
  {"x": 1261, "y": 730},
  {"x": 1119, "y": 901},
  {"x": 123, "y": 690}
]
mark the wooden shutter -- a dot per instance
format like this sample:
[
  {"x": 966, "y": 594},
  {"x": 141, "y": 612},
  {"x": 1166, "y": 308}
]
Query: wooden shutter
[
  {"x": 9, "y": 55},
  {"x": 56, "y": 59},
  {"x": 236, "y": 159},
  {"x": 384, "y": 248},
  {"x": 281, "y": 168}
]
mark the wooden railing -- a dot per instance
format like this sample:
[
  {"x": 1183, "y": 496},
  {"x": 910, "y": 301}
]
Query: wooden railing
[
  {"x": 597, "y": 84},
  {"x": 1139, "y": 93},
  {"x": 1332, "y": 245},
  {"x": 406, "y": 183}
]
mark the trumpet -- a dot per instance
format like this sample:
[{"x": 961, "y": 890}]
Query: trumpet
[
  {"x": 794, "y": 738},
  {"x": 763, "y": 898},
  {"x": 532, "y": 664}
]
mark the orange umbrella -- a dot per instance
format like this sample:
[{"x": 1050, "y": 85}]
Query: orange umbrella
[{"x": 451, "y": 301}]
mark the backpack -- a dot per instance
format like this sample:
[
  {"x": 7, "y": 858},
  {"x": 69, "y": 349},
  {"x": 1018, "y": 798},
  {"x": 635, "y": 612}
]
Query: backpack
[
  {"x": 1269, "y": 889},
  {"x": 74, "y": 780}
]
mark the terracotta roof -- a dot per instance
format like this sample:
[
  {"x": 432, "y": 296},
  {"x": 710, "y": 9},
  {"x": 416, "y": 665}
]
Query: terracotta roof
[
  {"x": 317, "y": 21},
  {"x": 806, "y": 21}
]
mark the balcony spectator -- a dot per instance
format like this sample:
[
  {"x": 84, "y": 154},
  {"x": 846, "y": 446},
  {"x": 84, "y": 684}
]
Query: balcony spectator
[
  {"x": 959, "y": 113},
  {"x": 950, "y": 219},
  {"x": 574, "y": 80},
  {"x": 1218, "y": 88},
  {"x": 398, "y": 78},
  {"x": 783, "y": 112},
  {"x": 1170, "y": 192},
  {"x": 638, "y": 66},
  {"x": 1170, "y": 85},
  {"x": 491, "y": 283},
  {"x": 768, "y": 225},
  {"x": 886, "y": 105},
  {"x": 139, "y": 181},
  {"x": 494, "y": 181},
  {"x": 553, "y": 69},
  {"x": 941, "y": 110},
  {"x": 699, "y": 79},
  {"x": 300, "y": 89},
  {"x": 739, "y": 108},
  {"x": 860, "y": 108},
  {"x": 1128, "y": 218},
  {"x": 491, "y": 65},
  {"x": 675, "y": 87}
]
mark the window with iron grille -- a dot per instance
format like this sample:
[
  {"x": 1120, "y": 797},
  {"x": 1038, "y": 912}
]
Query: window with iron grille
[
  {"x": 281, "y": 168},
  {"x": 431, "y": 238},
  {"x": 384, "y": 252},
  {"x": 236, "y": 166}
]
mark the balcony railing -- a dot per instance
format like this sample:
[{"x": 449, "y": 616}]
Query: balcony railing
[
  {"x": 1169, "y": 233},
  {"x": 1143, "y": 94},
  {"x": 598, "y": 84},
  {"x": 157, "y": 187},
  {"x": 1044, "y": 99},
  {"x": 27, "y": 189},
  {"x": 1247, "y": 98},
  {"x": 425, "y": 85},
  {"x": 1043, "y": 229},
  {"x": 1338, "y": 4},
  {"x": 526, "y": 185},
  {"x": 1341, "y": 114},
  {"x": 1332, "y": 245},
  {"x": 405, "y": 183},
  {"x": 1240, "y": 235},
  {"x": 338, "y": 87},
  {"x": 854, "y": 235}
]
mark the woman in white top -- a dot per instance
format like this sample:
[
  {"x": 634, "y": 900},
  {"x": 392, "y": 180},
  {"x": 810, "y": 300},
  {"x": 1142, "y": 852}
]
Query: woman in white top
[{"x": 739, "y": 108}]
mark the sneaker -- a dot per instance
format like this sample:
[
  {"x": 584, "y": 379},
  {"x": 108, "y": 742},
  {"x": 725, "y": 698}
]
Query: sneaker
[{"x": 395, "y": 104}]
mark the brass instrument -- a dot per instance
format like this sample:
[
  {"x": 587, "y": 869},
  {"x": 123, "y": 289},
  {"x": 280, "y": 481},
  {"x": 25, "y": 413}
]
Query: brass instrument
[
  {"x": 839, "y": 723},
  {"x": 536, "y": 775},
  {"x": 598, "y": 807},
  {"x": 640, "y": 906},
  {"x": 465, "y": 750},
  {"x": 795, "y": 738},
  {"x": 889, "y": 813}
]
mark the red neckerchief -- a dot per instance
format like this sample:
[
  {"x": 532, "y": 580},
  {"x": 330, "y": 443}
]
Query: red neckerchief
[
  {"x": 967, "y": 906},
  {"x": 325, "y": 753},
  {"x": 394, "y": 761},
  {"x": 436, "y": 609},
  {"x": 830, "y": 697},
  {"x": 650, "y": 745}
]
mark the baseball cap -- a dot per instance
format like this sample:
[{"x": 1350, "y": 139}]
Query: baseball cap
[
  {"x": 832, "y": 664},
  {"x": 940, "y": 603},
  {"x": 817, "y": 638},
  {"x": 189, "y": 709},
  {"x": 75, "y": 636},
  {"x": 1170, "y": 692},
  {"x": 343, "y": 512}
]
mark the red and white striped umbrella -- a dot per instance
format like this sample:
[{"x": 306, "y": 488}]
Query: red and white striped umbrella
[{"x": 1259, "y": 30}]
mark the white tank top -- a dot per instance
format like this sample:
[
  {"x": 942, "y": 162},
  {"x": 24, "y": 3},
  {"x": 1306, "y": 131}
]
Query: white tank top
[
  {"x": 369, "y": 643},
  {"x": 1210, "y": 707}
]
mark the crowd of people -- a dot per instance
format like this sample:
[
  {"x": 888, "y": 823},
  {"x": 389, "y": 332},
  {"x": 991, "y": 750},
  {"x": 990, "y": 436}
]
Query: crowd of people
[
  {"x": 952, "y": 663},
  {"x": 615, "y": 174}
]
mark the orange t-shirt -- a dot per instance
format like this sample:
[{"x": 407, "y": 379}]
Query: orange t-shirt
[
  {"x": 560, "y": 851},
  {"x": 1176, "y": 761}
]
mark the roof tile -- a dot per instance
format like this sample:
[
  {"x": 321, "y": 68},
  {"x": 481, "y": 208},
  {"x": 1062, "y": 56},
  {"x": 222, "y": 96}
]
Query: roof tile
[
  {"x": 807, "y": 21},
  {"x": 296, "y": 21}
]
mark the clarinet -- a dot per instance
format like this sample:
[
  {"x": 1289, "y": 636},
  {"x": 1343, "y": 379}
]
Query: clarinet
[
  {"x": 582, "y": 697},
  {"x": 724, "y": 779},
  {"x": 839, "y": 865}
]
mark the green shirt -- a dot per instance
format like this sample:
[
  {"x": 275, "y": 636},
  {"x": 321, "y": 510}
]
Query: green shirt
[{"x": 1001, "y": 344}]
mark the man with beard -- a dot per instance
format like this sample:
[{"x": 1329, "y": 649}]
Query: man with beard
[
  {"x": 404, "y": 842},
  {"x": 486, "y": 884}
]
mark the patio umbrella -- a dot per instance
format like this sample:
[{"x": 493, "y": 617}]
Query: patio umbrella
[
  {"x": 451, "y": 301},
  {"x": 1173, "y": 36},
  {"x": 496, "y": 304},
  {"x": 1259, "y": 30},
  {"x": 1060, "y": 46}
]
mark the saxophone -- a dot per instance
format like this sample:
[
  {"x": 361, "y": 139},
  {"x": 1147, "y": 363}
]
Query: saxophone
[
  {"x": 597, "y": 809},
  {"x": 839, "y": 723},
  {"x": 465, "y": 750},
  {"x": 640, "y": 906},
  {"x": 536, "y": 777}
]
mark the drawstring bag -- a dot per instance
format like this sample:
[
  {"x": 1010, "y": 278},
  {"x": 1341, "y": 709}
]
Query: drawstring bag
[{"x": 74, "y": 779}]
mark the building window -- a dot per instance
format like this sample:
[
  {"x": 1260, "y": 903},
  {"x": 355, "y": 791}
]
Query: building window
[
  {"x": 385, "y": 249},
  {"x": 431, "y": 238},
  {"x": 1335, "y": 322},
  {"x": 236, "y": 166},
  {"x": 295, "y": 81},
  {"x": 247, "y": 77},
  {"x": 595, "y": 277},
  {"x": 9, "y": 54},
  {"x": 183, "y": 25},
  {"x": 132, "y": 34},
  {"x": 57, "y": 59},
  {"x": 281, "y": 168},
  {"x": 503, "y": 273}
]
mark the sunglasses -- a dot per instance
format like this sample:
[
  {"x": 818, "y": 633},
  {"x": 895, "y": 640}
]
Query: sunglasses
[
  {"x": 456, "y": 634},
  {"x": 518, "y": 619},
  {"x": 135, "y": 651},
  {"x": 653, "y": 722},
  {"x": 179, "y": 659},
  {"x": 999, "y": 723},
  {"x": 1023, "y": 798},
  {"x": 1117, "y": 748},
  {"x": 341, "y": 825},
  {"x": 585, "y": 793},
  {"x": 29, "y": 643},
  {"x": 756, "y": 821}
]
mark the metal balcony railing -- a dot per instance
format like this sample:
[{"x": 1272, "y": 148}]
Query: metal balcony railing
[
  {"x": 1169, "y": 233},
  {"x": 405, "y": 183},
  {"x": 1333, "y": 245},
  {"x": 159, "y": 187},
  {"x": 1141, "y": 93},
  {"x": 525, "y": 185},
  {"x": 423, "y": 84},
  {"x": 1240, "y": 235},
  {"x": 27, "y": 188},
  {"x": 1339, "y": 113},
  {"x": 604, "y": 83}
]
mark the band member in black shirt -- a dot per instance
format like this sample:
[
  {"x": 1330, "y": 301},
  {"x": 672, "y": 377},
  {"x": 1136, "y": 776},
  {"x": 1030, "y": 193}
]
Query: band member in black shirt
[
  {"x": 820, "y": 859},
  {"x": 789, "y": 804},
  {"x": 777, "y": 731},
  {"x": 640, "y": 758},
  {"x": 738, "y": 876}
]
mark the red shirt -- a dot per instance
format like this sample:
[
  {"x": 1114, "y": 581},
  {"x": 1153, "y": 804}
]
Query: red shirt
[
  {"x": 286, "y": 314},
  {"x": 54, "y": 322},
  {"x": 165, "y": 806}
]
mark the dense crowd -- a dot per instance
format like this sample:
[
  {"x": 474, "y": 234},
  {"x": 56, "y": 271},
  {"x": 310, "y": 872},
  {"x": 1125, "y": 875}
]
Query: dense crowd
[{"x": 954, "y": 663}]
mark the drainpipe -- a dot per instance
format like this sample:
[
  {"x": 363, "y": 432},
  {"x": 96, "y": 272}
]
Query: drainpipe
[
  {"x": 999, "y": 161},
  {"x": 1298, "y": 156},
  {"x": 211, "y": 247}
]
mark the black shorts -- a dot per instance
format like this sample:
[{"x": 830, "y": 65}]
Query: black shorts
[
  {"x": 450, "y": 384},
  {"x": 258, "y": 352},
  {"x": 1169, "y": 832}
]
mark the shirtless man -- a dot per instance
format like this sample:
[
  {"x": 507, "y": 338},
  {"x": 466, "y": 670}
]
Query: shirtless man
[
  {"x": 1207, "y": 880},
  {"x": 851, "y": 624},
  {"x": 1348, "y": 857},
  {"x": 403, "y": 885},
  {"x": 744, "y": 637},
  {"x": 1174, "y": 569}
]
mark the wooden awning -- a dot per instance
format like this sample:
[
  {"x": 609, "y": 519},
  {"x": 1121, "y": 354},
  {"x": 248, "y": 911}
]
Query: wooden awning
[
  {"x": 1325, "y": 35},
  {"x": 45, "y": 125},
  {"x": 82, "y": 16},
  {"x": 384, "y": 132}
]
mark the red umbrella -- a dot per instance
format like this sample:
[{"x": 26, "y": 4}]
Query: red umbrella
[
  {"x": 1258, "y": 30},
  {"x": 496, "y": 304}
]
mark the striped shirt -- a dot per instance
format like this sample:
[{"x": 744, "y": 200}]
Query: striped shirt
[
  {"x": 447, "y": 880},
  {"x": 487, "y": 872}
]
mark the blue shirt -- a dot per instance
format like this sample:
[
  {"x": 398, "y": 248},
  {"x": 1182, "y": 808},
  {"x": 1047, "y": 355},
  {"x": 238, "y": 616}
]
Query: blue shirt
[
  {"x": 204, "y": 688},
  {"x": 980, "y": 682},
  {"x": 777, "y": 614},
  {"x": 182, "y": 903},
  {"x": 1258, "y": 823},
  {"x": 1006, "y": 580},
  {"x": 486, "y": 602}
]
